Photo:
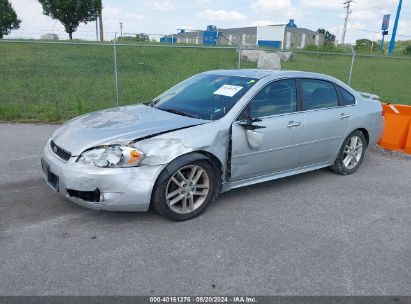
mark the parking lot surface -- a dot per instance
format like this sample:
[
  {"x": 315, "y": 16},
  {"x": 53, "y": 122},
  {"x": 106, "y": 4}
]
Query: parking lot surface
[{"x": 312, "y": 234}]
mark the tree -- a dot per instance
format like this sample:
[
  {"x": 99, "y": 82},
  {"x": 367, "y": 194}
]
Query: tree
[
  {"x": 8, "y": 18},
  {"x": 363, "y": 45},
  {"x": 72, "y": 12},
  {"x": 328, "y": 37},
  {"x": 142, "y": 37}
]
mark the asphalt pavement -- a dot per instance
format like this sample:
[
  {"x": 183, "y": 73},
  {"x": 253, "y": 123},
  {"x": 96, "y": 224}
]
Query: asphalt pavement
[{"x": 312, "y": 234}]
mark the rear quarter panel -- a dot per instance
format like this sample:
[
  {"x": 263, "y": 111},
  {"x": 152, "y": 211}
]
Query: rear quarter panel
[{"x": 367, "y": 114}]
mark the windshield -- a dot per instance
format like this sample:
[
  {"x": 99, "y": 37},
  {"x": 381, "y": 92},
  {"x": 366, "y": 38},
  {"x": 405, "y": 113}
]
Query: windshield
[{"x": 204, "y": 96}]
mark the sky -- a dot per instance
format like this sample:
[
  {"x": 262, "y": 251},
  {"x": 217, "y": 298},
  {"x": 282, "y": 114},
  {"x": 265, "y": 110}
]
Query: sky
[{"x": 166, "y": 16}]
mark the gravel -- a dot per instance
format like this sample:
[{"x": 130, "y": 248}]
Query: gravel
[{"x": 313, "y": 234}]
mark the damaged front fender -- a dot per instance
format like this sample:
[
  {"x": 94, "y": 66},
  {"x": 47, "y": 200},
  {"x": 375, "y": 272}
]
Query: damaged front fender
[{"x": 212, "y": 139}]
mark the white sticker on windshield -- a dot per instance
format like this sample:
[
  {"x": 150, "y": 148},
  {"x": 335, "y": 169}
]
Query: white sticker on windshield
[{"x": 228, "y": 90}]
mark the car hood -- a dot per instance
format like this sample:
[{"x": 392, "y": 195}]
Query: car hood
[{"x": 123, "y": 124}]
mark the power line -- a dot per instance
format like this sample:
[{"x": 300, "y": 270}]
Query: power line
[
  {"x": 374, "y": 32},
  {"x": 370, "y": 6},
  {"x": 385, "y": 10}
]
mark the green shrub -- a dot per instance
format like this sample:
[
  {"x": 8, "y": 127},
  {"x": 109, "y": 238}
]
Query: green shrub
[
  {"x": 330, "y": 48},
  {"x": 311, "y": 48}
]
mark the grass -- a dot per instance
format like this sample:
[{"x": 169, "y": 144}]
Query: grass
[{"x": 55, "y": 82}]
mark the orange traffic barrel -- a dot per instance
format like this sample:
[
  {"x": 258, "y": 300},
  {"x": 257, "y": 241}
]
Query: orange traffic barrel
[{"x": 397, "y": 133}]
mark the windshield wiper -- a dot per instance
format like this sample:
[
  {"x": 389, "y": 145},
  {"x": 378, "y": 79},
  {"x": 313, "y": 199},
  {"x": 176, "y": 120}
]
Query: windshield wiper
[
  {"x": 154, "y": 101},
  {"x": 177, "y": 112}
]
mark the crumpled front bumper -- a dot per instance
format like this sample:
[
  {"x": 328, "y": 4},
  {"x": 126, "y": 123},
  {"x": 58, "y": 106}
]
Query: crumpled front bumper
[{"x": 120, "y": 189}]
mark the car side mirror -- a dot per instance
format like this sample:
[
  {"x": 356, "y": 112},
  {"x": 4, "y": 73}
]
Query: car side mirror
[
  {"x": 255, "y": 139},
  {"x": 249, "y": 123}
]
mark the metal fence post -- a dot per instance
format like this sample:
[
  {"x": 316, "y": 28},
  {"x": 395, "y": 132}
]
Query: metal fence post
[
  {"x": 239, "y": 57},
  {"x": 352, "y": 65},
  {"x": 115, "y": 68}
]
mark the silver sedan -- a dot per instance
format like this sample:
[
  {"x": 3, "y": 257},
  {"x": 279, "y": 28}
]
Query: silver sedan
[{"x": 213, "y": 132}]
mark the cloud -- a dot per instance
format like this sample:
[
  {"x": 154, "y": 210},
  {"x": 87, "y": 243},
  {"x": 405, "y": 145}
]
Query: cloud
[
  {"x": 115, "y": 14},
  {"x": 112, "y": 16},
  {"x": 160, "y": 6},
  {"x": 186, "y": 27},
  {"x": 263, "y": 22},
  {"x": 270, "y": 6},
  {"x": 220, "y": 15},
  {"x": 321, "y": 4},
  {"x": 31, "y": 14},
  {"x": 357, "y": 25}
]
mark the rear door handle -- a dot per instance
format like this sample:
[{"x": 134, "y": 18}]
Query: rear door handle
[
  {"x": 293, "y": 124},
  {"x": 344, "y": 116}
]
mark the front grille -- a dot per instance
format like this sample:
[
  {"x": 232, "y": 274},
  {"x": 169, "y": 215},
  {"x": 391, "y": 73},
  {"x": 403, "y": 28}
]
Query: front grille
[{"x": 60, "y": 152}]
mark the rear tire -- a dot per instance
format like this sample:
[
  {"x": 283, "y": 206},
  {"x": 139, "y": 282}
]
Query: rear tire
[
  {"x": 187, "y": 191},
  {"x": 351, "y": 154}
]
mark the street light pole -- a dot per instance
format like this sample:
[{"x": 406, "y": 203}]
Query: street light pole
[{"x": 394, "y": 31}]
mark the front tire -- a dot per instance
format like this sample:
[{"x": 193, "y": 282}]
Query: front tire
[
  {"x": 186, "y": 192},
  {"x": 351, "y": 154}
]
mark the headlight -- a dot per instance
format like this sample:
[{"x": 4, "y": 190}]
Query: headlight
[{"x": 112, "y": 157}]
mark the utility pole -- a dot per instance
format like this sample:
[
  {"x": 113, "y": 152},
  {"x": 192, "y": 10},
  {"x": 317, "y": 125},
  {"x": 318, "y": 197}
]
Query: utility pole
[
  {"x": 394, "y": 30},
  {"x": 348, "y": 12},
  {"x": 121, "y": 31},
  {"x": 100, "y": 19}
]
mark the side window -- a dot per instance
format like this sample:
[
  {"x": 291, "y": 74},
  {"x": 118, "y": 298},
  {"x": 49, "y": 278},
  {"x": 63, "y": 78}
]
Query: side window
[
  {"x": 318, "y": 94},
  {"x": 278, "y": 97},
  {"x": 346, "y": 97}
]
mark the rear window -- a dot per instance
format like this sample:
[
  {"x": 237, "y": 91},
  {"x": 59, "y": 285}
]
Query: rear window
[{"x": 347, "y": 98}]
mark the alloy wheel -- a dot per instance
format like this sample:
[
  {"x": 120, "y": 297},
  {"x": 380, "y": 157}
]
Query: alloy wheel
[
  {"x": 353, "y": 152},
  {"x": 187, "y": 189}
]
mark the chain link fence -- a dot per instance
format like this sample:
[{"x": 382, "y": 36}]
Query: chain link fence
[{"x": 55, "y": 81}]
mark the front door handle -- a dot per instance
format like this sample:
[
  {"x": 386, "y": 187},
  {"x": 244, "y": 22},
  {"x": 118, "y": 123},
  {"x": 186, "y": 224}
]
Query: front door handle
[
  {"x": 344, "y": 116},
  {"x": 293, "y": 124}
]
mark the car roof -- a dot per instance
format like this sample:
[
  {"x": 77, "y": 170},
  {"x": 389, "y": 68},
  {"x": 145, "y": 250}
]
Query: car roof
[
  {"x": 251, "y": 73},
  {"x": 257, "y": 73}
]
